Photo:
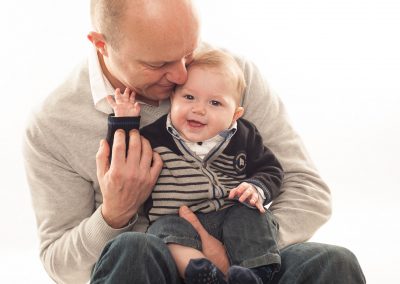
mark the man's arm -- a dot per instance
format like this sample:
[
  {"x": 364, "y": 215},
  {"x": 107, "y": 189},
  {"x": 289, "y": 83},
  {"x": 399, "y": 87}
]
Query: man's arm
[
  {"x": 72, "y": 231},
  {"x": 304, "y": 202},
  {"x": 71, "y": 235}
]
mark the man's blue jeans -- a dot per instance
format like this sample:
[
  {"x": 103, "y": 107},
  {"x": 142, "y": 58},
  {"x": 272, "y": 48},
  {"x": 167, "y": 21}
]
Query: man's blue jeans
[{"x": 143, "y": 258}]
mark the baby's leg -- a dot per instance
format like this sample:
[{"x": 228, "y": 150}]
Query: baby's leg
[
  {"x": 185, "y": 247},
  {"x": 182, "y": 255},
  {"x": 250, "y": 239}
]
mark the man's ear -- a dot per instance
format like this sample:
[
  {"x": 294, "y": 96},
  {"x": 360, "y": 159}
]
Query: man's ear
[
  {"x": 238, "y": 113},
  {"x": 98, "y": 41}
]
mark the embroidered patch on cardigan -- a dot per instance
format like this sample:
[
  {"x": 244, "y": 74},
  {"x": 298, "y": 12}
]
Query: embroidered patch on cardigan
[{"x": 240, "y": 162}]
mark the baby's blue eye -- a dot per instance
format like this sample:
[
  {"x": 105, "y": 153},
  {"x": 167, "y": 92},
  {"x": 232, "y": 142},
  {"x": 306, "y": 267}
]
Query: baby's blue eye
[
  {"x": 215, "y": 103},
  {"x": 188, "y": 97}
]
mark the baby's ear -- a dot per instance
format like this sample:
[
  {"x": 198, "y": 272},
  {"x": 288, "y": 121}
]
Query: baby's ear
[{"x": 238, "y": 113}]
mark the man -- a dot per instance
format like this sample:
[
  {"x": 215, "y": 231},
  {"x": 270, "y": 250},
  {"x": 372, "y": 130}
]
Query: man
[{"x": 146, "y": 45}]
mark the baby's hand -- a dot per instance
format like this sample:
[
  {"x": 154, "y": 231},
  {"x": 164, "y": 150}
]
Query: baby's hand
[
  {"x": 247, "y": 193},
  {"x": 124, "y": 104}
]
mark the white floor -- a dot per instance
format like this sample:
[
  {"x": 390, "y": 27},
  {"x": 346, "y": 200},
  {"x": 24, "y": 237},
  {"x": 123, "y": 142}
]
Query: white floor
[{"x": 335, "y": 64}]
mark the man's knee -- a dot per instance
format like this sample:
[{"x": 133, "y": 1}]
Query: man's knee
[
  {"x": 134, "y": 244},
  {"x": 320, "y": 263},
  {"x": 134, "y": 257},
  {"x": 339, "y": 254}
]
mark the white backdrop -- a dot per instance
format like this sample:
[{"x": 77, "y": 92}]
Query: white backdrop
[{"x": 335, "y": 64}]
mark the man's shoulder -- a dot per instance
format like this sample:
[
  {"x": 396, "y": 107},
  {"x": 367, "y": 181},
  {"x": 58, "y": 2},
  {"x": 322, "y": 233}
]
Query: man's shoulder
[
  {"x": 69, "y": 96},
  {"x": 67, "y": 109}
]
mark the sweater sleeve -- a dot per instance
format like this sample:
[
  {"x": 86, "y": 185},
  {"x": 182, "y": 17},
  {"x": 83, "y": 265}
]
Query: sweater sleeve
[
  {"x": 72, "y": 231},
  {"x": 303, "y": 204},
  {"x": 125, "y": 123}
]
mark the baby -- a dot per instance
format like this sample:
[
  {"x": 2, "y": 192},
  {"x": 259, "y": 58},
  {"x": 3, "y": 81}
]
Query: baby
[{"x": 216, "y": 164}]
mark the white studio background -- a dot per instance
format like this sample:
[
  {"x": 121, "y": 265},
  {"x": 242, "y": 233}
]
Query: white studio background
[{"x": 335, "y": 64}]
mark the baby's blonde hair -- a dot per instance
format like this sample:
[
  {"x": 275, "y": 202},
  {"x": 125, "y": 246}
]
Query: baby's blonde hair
[{"x": 224, "y": 62}]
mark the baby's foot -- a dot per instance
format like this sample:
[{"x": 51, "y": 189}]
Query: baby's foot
[
  {"x": 202, "y": 271},
  {"x": 238, "y": 275}
]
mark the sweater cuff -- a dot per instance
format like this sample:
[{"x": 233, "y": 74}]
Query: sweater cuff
[
  {"x": 127, "y": 123},
  {"x": 123, "y": 122},
  {"x": 260, "y": 186},
  {"x": 100, "y": 233}
]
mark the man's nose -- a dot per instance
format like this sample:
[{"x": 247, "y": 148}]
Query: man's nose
[{"x": 177, "y": 72}]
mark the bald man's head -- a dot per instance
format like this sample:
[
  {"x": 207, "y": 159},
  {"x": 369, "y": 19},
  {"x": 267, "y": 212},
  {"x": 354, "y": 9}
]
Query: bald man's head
[
  {"x": 109, "y": 16},
  {"x": 145, "y": 44},
  {"x": 106, "y": 16}
]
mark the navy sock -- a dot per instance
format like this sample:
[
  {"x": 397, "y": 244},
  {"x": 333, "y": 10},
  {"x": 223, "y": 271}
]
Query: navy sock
[
  {"x": 202, "y": 271},
  {"x": 265, "y": 272},
  {"x": 240, "y": 275}
]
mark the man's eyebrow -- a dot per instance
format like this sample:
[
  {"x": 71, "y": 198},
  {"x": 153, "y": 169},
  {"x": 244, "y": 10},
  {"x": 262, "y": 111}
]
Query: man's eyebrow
[
  {"x": 153, "y": 62},
  {"x": 160, "y": 62}
]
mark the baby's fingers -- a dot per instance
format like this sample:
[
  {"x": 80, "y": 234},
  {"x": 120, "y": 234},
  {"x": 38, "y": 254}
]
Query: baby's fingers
[
  {"x": 260, "y": 207},
  {"x": 136, "y": 109},
  {"x": 245, "y": 195},
  {"x": 132, "y": 97},
  {"x": 122, "y": 98},
  {"x": 253, "y": 198},
  {"x": 111, "y": 101},
  {"x": 232, "y": 193},
  {"x": 118, "y": 96},
  {"x": 237, "y": 191}
]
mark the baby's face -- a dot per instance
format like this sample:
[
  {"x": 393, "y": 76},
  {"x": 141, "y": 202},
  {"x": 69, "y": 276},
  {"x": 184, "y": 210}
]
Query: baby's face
[{"x": 205, "y": 105}]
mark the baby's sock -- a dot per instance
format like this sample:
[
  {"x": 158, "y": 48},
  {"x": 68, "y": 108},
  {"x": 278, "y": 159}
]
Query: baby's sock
[
  {"x": 240, "y": 275},
  {"x": 265, "y": 272},
  {"x": 202, "y": 271}
]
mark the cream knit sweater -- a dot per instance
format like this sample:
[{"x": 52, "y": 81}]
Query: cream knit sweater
[{"x": 60, "y": 146}]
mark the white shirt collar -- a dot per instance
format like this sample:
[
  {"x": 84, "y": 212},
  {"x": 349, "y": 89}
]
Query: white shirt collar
[
  {"x": 99, "y": 84},
  {"x": 225, "y": 134},
  {"x": 203, "y": 148}
]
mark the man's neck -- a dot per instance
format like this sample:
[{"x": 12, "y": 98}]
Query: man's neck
[{"x": 117, "y": 84}]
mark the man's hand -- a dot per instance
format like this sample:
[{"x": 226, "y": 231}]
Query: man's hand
[
  {"x": 213, "y": 249},
  {"x": 247, "y": 193},
  {"x": 129, "y": 180}
]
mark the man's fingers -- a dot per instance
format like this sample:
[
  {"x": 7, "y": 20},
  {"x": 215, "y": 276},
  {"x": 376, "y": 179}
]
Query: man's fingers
[
  {"x": 188, "y": 215},
  {"x": 102, "y": 163},
  {"x": 119, "y": 149},
  {"x": 135, "y": 148},
  {"x": 146, "y": 155},
  {"x": 156, "y": 167}
]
